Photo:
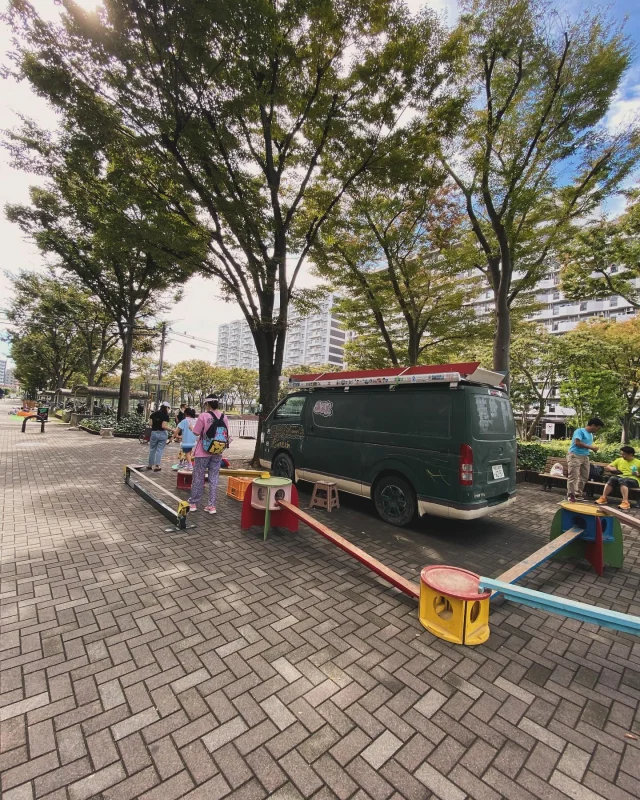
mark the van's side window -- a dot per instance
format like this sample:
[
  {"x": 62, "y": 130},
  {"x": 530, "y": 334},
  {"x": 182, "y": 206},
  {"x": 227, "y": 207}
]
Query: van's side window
[
  {"x": 292, "y": 407},
  {"x": 338, "y": 411},
  {"x": 411, "y": 414}
]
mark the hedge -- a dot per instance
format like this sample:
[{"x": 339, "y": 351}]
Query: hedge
[
  {"x": 533, "y": 455},
  {"x": 131, "y": 425}
]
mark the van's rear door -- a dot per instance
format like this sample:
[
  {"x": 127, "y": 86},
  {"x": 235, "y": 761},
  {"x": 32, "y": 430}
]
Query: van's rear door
[{"x": 493, "y": 431}]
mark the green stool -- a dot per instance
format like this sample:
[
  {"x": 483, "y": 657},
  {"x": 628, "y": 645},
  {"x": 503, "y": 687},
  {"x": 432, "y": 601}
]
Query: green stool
[{"x": 582, "y": 514}]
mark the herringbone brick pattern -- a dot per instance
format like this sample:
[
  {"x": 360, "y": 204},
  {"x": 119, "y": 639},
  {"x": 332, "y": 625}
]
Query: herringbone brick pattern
[{"x": 208, "y": 664}]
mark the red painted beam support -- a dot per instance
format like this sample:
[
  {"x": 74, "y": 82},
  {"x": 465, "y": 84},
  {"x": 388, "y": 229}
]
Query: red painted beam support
[{"x": 409, "y": 588}]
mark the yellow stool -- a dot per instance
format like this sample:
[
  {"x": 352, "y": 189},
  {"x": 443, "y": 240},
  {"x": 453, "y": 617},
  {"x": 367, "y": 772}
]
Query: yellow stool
[{"x": 452, "y": 607}]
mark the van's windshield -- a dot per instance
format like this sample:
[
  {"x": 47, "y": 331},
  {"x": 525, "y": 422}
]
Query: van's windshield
[{"x": 491, "y": 416}]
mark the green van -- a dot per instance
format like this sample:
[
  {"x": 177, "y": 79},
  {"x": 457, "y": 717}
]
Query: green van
[{"x": 446, "y": 450}]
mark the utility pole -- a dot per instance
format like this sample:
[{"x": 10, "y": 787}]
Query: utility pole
[{"x": 160, "y": 362}]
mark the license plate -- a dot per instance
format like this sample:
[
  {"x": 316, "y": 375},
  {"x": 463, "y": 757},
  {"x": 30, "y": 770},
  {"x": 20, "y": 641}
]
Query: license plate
[{"x": 498, "y": 471}]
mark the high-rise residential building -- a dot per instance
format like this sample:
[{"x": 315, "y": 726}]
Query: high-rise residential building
[
  {"x": 317, "y": 338},
  {"x": 3, "y": 371},
  {"x": 560, "y": 315},
  {"x": 10, "y": 380}
]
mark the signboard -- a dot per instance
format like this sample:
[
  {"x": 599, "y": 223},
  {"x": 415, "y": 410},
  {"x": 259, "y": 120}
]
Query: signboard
[
  {"x": 43, "y": 412},
  {"x": 550, "y": 428}
]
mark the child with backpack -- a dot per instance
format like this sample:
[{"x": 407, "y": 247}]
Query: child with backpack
[
  {"x": 213, "y": 437},
  {"x": 185, "y": 435}
]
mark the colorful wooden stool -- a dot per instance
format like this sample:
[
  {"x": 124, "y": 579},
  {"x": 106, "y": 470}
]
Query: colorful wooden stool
[
  {"x": 601, "y": 542},
  {"x": 451, "y": 605},
  {"x": 261, "y": 505},
  {"x": 325, "y": 495}
]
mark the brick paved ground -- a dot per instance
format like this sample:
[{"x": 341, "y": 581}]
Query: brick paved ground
[{"x": 137, "y": 663}]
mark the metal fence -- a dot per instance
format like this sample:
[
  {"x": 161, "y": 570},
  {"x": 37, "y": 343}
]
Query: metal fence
[{"x": 243, "y": 428}]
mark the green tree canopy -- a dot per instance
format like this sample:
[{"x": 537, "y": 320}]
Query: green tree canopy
[
  {"x": 195, "y": 377},
  {"x": 98, "y": 219},
  {"x": 59, "y": 330},
  {"x": 244, "y": 104},
  {"x": 383, "y": 252},
  {"x": 605, "y": 354},
  {"x": 602, "y": 258},
  {"x": 532, "y": 154}
]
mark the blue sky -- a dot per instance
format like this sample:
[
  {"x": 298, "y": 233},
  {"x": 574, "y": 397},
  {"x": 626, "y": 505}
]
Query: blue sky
[{"x": 200, "y": 312}]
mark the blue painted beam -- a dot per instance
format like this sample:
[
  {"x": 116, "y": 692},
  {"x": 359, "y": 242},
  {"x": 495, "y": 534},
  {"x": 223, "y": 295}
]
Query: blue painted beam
[{"x": 564, "y": 606}]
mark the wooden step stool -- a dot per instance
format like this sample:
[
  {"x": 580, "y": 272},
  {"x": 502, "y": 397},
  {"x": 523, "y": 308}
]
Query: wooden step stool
[{"x": 325, "y": 495}]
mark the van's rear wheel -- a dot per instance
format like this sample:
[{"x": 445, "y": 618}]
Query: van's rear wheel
[
  {"x": 282, "y": 466},
  {"x": 395, "y": 500}
]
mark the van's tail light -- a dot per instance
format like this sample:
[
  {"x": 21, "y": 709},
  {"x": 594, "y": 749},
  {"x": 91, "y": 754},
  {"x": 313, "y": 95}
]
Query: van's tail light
[{"x": 466, "y": 465}]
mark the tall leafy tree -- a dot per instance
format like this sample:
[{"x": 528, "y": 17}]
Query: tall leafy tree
[
  {"x": 244, "y": 103},
  {"x": 98, "y": 219},
  {"x": 538, "y": 363},
  {"x": 59, "y": 330},
  {"x": 602, "y": 258},
  {"x": 383, "y": 252},
  {"x": 245, "y": 385},
  {"x": 607, "y": 354},
  {"x": 195, "y": 377},
  {"x": 532, "y": 154}
]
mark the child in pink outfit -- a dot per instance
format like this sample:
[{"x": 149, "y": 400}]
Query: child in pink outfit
[{"x": 204, "y": 461}]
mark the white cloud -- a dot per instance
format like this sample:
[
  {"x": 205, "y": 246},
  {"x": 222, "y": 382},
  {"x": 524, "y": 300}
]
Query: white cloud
[{"x": 625, "y": 108}]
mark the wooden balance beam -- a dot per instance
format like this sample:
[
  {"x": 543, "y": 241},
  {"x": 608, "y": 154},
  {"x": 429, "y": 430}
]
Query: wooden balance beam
[
  {"x": 628, "y": 519},
  {"x": 563, "y": 606},
  {"x": 389, "y": 575},
  {"x": 531, "y": 562},
  {"x": 178, "y": 516}
]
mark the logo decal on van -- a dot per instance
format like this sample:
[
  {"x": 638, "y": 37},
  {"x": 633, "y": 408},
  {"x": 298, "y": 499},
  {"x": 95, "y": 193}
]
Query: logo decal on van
[{"x": 324, "y": 408}]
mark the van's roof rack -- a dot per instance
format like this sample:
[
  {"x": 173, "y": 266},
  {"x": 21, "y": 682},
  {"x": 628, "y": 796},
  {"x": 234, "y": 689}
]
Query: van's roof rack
[{"x": 470, "y": 372}]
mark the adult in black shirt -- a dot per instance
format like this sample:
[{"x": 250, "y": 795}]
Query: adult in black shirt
[
  {"x": 180, "y": 415},
  {"x": 159, "y": 434}
]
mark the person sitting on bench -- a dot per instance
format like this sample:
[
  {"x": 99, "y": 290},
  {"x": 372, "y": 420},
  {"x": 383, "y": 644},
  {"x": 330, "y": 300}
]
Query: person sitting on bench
[{"x": 627, "y": 476}]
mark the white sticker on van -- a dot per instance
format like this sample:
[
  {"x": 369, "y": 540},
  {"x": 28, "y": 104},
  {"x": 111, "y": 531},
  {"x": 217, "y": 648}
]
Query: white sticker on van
[{"x": 323, "y": 408}]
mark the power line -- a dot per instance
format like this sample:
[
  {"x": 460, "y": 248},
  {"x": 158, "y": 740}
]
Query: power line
[{"x": 189, "y": 336}]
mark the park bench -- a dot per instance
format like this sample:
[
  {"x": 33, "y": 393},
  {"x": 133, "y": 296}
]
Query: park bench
[{"x": 591, "y": 487}]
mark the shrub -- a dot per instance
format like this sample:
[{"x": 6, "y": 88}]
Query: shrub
[
  {"x": 534, "y": 456},
  {"x": 131, "y": 425}
]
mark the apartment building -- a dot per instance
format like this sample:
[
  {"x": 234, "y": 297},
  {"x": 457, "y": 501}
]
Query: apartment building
[
  {"x": 317, "y": 338},
  {"x": 560, "y": 315}
]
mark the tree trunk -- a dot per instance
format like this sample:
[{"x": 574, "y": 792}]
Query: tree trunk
[
  {"x": 532, "y": 428},
  {"x": 502, "y": 336},
  {"x": 125, "y": 378},
  {"x": 413, "y": 347},
  {"x": 268, "y": 397},
  {"x": 626, "y": 429}
]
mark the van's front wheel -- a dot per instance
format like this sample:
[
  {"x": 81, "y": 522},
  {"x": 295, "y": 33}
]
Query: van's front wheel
[
  {"x": 282, "y": 466},
  {"x": 395, "y": 500}
]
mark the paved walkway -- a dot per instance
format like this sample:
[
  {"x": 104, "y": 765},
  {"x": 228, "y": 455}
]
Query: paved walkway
[{"x": 142, "y": 664}]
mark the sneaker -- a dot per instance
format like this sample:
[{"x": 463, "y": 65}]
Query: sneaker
[
  {"x": 193, "y": 508},
  {"x": 602, "y": 501},
  {"x": 571, "y": 498},
  {"x": 625, "y": 506},
  {"x": 149, "y": 466},
  {"x": 210, "y": 510},
  {"x": 188, "y": 468}
]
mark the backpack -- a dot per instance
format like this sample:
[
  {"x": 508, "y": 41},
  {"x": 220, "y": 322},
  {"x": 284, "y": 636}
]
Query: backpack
[
  {"x": 216, "y": 439},
  {"x": 596, "y": 473}
]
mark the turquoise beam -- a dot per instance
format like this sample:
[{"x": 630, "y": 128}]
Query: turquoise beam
[{"x": 563, "y": 606}]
